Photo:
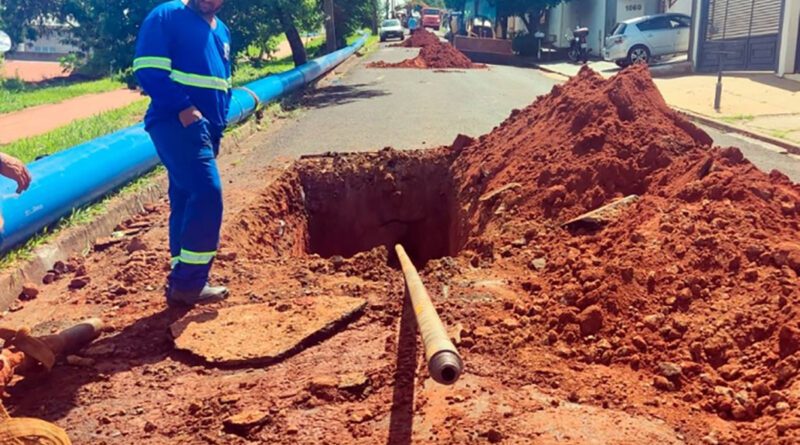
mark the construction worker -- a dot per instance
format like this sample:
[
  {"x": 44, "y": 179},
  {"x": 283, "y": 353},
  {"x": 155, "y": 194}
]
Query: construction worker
[
  {"x": 183, "y": 63},
  {"x": 413, "y": 23},
  {"x": 12, "y": 168}
]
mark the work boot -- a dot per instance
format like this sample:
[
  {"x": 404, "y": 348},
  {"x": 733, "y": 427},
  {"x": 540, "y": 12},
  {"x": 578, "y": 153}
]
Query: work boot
[{"x": 208, "y": 294}]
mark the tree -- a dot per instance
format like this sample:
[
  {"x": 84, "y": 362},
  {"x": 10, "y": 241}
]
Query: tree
[
  {"x": 351, "y": 16},
  {"x": 255, "y": 21}
]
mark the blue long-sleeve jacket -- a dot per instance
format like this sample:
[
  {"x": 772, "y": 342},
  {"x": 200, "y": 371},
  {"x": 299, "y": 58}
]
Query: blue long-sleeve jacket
[{"x": 181, "y": 61}]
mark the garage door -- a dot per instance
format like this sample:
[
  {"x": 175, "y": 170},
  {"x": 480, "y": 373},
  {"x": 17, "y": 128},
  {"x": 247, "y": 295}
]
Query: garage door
[{"x": 745, "y": 34}]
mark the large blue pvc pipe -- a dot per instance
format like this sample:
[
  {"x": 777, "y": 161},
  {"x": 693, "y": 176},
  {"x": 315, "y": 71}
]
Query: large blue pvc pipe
[{"x": 73, "y": 178}]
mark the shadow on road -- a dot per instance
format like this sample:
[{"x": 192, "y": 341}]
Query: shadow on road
[{"x": 340, "y": 95}]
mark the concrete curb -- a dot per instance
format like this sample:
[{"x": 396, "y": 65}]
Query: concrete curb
[
  {"x": 723, "y": 126},
  {"x": 76, "y": 240}
]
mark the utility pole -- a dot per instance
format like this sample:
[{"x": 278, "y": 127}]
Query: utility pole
[{"x": 330, "y": 26}]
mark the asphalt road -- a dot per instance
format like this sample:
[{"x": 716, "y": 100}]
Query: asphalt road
[{"x": 369, "y": 109}]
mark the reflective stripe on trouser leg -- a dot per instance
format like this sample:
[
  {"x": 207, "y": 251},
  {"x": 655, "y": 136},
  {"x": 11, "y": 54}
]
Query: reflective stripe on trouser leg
[{"x": 188, "y": 155}]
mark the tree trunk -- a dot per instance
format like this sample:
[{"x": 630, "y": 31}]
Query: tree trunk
[
  {"x": 295, "y": 41},
  {"x": 374, "y": 16}
]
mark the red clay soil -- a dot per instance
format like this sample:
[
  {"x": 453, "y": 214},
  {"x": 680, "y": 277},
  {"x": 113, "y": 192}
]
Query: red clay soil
[
  {"x": 696, "y": 285},
  {"x": 420, "y": 39},
  {"x": 683, "y": 310},
  {"x": 32, "y": 71},
  {"x": 433, "y": 55}
]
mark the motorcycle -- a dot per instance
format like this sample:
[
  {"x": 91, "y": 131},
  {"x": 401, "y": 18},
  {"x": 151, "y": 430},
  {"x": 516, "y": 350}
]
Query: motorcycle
[{"x": 579, "y": 45}]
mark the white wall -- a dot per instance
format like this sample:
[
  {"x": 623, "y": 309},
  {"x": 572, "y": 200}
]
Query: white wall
[
  {"x": 681, "y": 7},
  {"x": 47, "y": 44},
  {"x": 629, "y": 9},
  {"x": 566, "y": 16},
  {"x": 696, "y": 26},
  {"x": 788, "y": 48}
]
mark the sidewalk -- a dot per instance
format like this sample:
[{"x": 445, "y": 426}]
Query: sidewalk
[
  {"x": 758, "y": 103},
  {"x": 44, "y": 118},
  {"x": 31, "y": 71}
]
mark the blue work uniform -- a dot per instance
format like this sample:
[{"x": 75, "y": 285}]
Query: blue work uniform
[{"x": 181, "y": 61}]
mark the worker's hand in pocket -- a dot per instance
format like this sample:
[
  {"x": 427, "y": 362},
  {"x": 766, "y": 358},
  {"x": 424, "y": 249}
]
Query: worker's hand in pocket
[
  {"x": 14, "y": 169},
  {"x": 190, "y": 116}
]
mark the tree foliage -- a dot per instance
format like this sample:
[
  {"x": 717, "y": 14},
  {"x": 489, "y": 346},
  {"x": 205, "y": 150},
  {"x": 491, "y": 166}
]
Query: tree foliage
[
  {"x": 354, "y": 15},
  {"x": 254, "y": 22},
  {"x": 106, "y": 30}
]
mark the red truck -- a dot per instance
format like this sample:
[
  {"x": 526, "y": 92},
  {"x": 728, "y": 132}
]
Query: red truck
[{"x": 432, "y": 18}]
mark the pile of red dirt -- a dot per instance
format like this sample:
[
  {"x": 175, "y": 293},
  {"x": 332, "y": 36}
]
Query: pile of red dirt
[
  {"x": 420, "y": 39},
  {"x": 694, "y": 286},
  {"x": 433, "y": 55},
  {"x": 696, "y": 283}
]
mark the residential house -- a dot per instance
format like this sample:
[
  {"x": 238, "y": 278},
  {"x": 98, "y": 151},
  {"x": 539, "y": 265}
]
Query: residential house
[
  {"x": 746, "y": 35},
  {"x": 51, "y": 44},
  {"x": 600, "y": 16}
]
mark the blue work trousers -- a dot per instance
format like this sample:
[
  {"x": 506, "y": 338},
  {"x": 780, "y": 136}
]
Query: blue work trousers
[{"x": 195, "y": 196}]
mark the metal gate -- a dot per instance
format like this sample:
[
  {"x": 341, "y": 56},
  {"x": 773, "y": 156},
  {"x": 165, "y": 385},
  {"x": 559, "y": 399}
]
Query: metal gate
[
  {"x": 740, "y": 35},
  {"x": 797, "y": 54}
]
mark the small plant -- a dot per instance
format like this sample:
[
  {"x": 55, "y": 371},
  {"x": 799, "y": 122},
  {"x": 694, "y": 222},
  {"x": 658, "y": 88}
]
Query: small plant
[
  {"x": 69, "y": 63},
  {"x": 127, "y": 77}
]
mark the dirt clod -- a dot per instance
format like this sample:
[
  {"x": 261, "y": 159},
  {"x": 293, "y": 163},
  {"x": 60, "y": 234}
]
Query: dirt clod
[
  {"x": 79, "y": 283},
  {"x": 591, "y": 320},
  {"x": 245, "y": 421},
  {"x": 29, "y": 291}
]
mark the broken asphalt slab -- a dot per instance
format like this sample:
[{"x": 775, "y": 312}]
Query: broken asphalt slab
[{"x": 261, "y": 334}]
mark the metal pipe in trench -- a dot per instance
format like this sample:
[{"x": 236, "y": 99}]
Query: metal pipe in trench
[{"x": 444, "y": 362}]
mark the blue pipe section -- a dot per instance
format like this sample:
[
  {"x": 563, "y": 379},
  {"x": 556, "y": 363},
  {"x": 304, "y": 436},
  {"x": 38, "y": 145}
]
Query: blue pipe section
[{"x": 78, "y": 176}]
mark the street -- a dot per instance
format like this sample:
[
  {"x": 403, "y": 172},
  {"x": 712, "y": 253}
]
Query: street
[{"x": 367, "y": 109}]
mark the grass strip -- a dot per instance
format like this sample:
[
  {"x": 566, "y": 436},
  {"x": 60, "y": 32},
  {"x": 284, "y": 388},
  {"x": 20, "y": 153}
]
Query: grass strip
[
  {"x": 15, "y": 96},
  {"x": 77, "y": 132}
]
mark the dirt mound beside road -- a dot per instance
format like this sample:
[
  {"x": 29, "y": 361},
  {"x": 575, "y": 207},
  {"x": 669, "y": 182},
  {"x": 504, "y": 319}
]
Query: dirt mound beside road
[
  {"x": 420, "y": 39},
  {"x": 697, "y": 283},
  {"x": 434, "y": 54},
  {"x": 694, "y": 287}
]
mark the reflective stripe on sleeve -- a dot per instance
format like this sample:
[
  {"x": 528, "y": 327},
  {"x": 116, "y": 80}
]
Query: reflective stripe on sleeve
[{"x": 161, "y": 63}]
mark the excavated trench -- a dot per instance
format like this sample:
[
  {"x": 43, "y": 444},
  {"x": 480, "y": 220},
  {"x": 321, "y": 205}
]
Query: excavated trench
[{"x": 354, "y": 205}]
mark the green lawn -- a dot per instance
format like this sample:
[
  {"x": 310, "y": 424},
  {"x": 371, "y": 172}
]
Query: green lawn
[
  {"x": 77, "y": 132},
  {"x": 15, "y": 96},
  {"x": 248, "y": 72}
]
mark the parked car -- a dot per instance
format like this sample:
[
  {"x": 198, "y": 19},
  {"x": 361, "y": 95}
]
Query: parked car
[
  {"x": 432, "y": 18},
  {"x": 392, "y": 28},
  {"x": 643, "y": 38}
]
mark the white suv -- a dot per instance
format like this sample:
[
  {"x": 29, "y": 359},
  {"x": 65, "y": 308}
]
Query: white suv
[{"x": 639, "y": 40}]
